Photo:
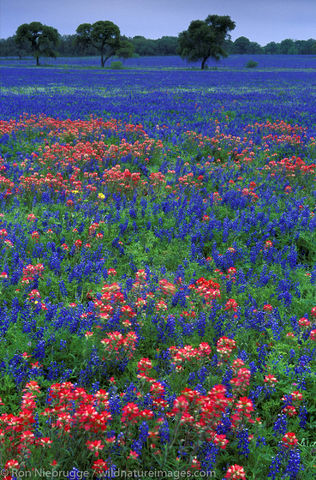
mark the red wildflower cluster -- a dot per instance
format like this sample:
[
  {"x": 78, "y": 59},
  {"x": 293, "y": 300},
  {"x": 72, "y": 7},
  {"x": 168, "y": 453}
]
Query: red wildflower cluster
[
  {"x": 243, "y": 410},
  {"x": 180, "y": 356},
  {"x": 202, "y": 412},
  {"x": 231, "y": 304},
  {"x": 144, "y": 364},
  {"x": 304, "y": 322},
  {"x": 292, "y": 165},
  {"x": 19, "y": 427},
  {"x": 111, "y": 298},
  {"x": 270, "y": 380},
  {"x": 31, "y": 271},
  {"x": 289, "y": 440},
  {"x": 235, "y": 472},
  {"x": 121, "y": 181},
  {"x": 207, "y": 289},
  {"x": 290, "y": 410},
  {"x": 189, "y": 180},
  {"x": 241, "y": 382},
  {"x": 117, "y": 347},
  {"x": 225, "y": 347},
  {"x": 267, "y": 308},
  {"x": 131, "y": 414},
  {"x": 166, "y": 287}
]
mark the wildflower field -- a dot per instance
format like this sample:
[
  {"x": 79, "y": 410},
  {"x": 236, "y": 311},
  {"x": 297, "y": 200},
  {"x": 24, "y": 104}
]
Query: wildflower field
[{"x": 157, "y": 277}]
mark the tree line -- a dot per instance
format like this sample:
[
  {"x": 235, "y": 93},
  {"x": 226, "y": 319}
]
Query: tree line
[
  {"x": 168, "y": 45},
  {"x": 203, "y": 39}
]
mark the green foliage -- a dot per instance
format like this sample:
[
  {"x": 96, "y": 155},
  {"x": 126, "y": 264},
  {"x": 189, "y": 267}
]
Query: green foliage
[
  {"x": 103, "y": 35},
  {"x": 117, "y": 65},
  {"x": 68, "y": 46},
  {"x": 251, "y": 64},
  {"x": 205, "y": 39},
  {"x": 40, "y": 39},
  {"x": 126, "y": 49},
  {"x": 144, "y": 46},
  {"x": 242, "y": 45}
]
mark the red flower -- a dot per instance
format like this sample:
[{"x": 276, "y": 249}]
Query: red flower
[
  {"x": 231, "y": 304},
  {"x": 296, "y": 396},
  {"x": 235, "y": 472},
  {"x": 304, "y": 322},
  {"x": 270, "y": 380},
  {"x": 95, "y": 446},
  {"x": 290, "y": 411},
  {"x": 267, "y": 308},
  {"x": 132, "y": 455},
  {"x": 12, "y": 464},
  {"x": 144, "y": 364},
  {"x": 100, "y": 466},
  {"x": 289, "y": 440}
]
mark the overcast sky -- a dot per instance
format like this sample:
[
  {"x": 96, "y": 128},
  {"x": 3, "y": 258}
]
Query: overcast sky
[{"x": 261, "y": 21}]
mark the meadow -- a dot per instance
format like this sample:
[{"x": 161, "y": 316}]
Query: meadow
[{"x": 157, "y": 277}]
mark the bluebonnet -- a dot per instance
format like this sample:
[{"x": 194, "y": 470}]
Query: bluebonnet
[
  {"x": 276, "y": 465},
  {"x": 164, "y": 432},
  {"x": 260, "y": 441},
  {"x": 303, "y": 413},
  {"x": 280, "y": 425},
  {"x": 243, "y": 442},
  {"x": 74, "y": 474},
  {"x": 228, "y": 375},
  {"x": 225, "y": 426},
  {"x": 143, "y": 432},
  {"x": 210, "y": 452},
  {"x": 115, "y": 404},
  {"x": 262, "y": 355},
  {"x": 294, "y": 465}
]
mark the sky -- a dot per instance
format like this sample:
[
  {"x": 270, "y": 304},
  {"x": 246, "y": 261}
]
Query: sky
[{"x": 261, "y": 21}]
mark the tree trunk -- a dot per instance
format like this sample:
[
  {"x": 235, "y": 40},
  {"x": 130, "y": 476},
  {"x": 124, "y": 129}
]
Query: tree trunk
[
  {"x": 203, "y": 63},
  {"x": 102, "y": 60},
  {"x": 37, "y": 60}
]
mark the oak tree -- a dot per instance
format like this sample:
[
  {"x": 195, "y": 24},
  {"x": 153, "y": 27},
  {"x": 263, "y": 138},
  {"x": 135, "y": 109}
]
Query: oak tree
[
  {"x": 205, "y": 39},
  {"x": 103, "y": 35},
  {"x": 39, "y": 39}
]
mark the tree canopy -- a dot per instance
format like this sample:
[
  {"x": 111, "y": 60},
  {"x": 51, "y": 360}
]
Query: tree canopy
[
  {"x": 126, "y": 48},
  {"x": 242, "y": 45},
  {"x": 39, "y": 39},
  {"x": 103, "y": 35},
  {"x": 32, "y": 39},
  {"x": 205, "y": 39}
]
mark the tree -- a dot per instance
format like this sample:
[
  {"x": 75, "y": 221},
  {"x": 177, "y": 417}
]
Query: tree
[
  {"x": 144, "y": 46},
  {"x": 8, "y": 48},
  {"x": 167, "y": 45},
  {"x": 287, "y": 47},
  {"x": 228, "y": 46},
  {"x": 306, "y": 47},
  {"x": 255, "y": 48},
  {"x": 103, "y": 35},
  {"x": 272, "y": 48},
  {"x": 40, "y": 39},
  {"x": 205, "y": 39},
  {"x": 242, "y": 45},
  {"x": 67, "y": 46},
  {"x": 126, "y": 48}
]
